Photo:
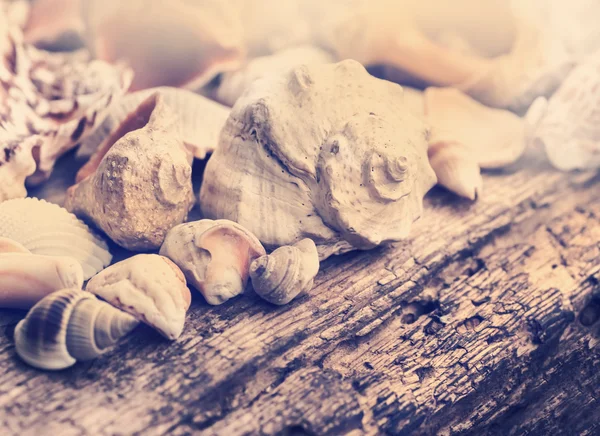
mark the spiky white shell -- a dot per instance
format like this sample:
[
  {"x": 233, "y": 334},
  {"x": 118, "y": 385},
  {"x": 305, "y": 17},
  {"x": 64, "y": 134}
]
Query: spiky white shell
[
  {"x": 67, "y": 326},
  {"x": 48, "y": 229}
]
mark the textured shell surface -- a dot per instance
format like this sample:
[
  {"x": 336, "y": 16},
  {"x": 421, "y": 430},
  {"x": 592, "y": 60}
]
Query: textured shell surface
[
  {"x": 67, "y": 326},
  {"x": 569, "y": 129},
  {"x": 282, "y": 275},
  {"x": 48, "y": 229},
  {"x": 201, "y": 119},
  {"x": 215, "y": 256},
  {"x": 27, "y": 278},
  {"x": 326, "y": 152},
  {"x": 149, "y": 287},
  {"x": 142, "y": 186}
]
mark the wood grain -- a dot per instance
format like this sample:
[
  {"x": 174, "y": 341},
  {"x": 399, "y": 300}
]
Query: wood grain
[{"x": 485, "y": 322}]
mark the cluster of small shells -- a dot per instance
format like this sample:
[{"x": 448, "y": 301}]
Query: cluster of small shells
[{"x": 311, "y": 155}]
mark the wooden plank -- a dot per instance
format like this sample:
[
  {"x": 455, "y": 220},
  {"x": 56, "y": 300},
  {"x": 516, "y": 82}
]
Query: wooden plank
[{"x": 472, "y": 326}]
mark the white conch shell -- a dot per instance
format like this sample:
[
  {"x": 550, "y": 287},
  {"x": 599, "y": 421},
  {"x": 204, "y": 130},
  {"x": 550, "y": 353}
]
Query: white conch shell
[
  {"x": 569, "y": 127},
  {"x": 215, "y": 256},
  {"x": 233, "y": 84},
  {"x": 149, "y": 287},
  {"x": 27, "y": 278},
  {"x": 8, "y": 245},
  {"x": 67, "y": 326},
  {"x": 48, "y": 229},
  {"x": 143, "y": 185},
  {"x": 327, "y": 152},
  {"x": 466, "y": 135},
  {"x": 201, "y": 120},
  {"x": 16, "y": 164},
  {"x": 280, "y": 276}
]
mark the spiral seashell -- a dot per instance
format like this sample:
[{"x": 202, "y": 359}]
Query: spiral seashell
[
  {"x": 280, "y": 276},
  {"x": 215, "y": 256},
  {"x": 47, "y": 229},
  {"x": 67, "y": 326},
  {"x": 143, "y": 185},
  {"x": 149, "y": 287}
]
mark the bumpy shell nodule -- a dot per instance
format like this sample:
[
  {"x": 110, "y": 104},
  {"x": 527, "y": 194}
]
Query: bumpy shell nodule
[
  {"x": 215, "y": 256},
  {"x": 326, "y": 152},
  {"x": 67, "y": 326},
  {"x": 201, "y": 119},
  {"x": 27, "y": 278},
  {"x": 280, "y": 276},
  {"x": 149, "y": 287},
  {"x": 47, "y": 229},
  {"x": 143, "y": 185}
]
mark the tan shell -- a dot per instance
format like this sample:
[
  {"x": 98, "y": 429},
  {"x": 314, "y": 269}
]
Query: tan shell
[
  {"x": 280, "y": 276},
  {"x": 201, "y": 121},
  {"x": 142, "y": 186},
  {"x": 215, "y": 256},
  {"x": 8, "y": 245},
  {"x": 27, "y": 278},
  {"x": 149, "y": 287},
  {"x": 326, "y": 152},
  {"x": 67, "y": 326}
]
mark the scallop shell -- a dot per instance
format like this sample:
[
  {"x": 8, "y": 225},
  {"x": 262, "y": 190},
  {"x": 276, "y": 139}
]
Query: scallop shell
[
  {"x": 201, "y": 120},
  {"x": 47, "y": 229},
  {"x": 27, "y": 278},
  {"x": 280, "y": 276},
  {"x": 143, "y": 185},
  {"x": 149, "y": 287},
  {"x": 569, "y": 128},
  {"x": 326, "y": 152},
  {"x": 215, "y": 256},
  {"x": 67, "y": 326}
]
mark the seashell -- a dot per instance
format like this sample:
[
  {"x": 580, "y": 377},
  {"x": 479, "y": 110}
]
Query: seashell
[
  {"x": 280, "y": 276},
  {"x": 47, "y": 229},
  {"x": 568, "y": 127},
  {"x": 327, "y": 152},
  {"x": 55, "y": 24},
  {"x": 27, "y": 278},
  {"x": 16, "y": 164},
  {"x": 456, "y": 169},
  {"x": 143, "y": 185},
  {"x": 67, "y": 326},
  {"x": 197, "y": 40},
  {"x": 233, "y": 84},
  {"x": 7, "y": 245},
  {"x": 201, "y": 122},
  {"x": 149, "y": 287},
  {"x": 215, "y": 256}
]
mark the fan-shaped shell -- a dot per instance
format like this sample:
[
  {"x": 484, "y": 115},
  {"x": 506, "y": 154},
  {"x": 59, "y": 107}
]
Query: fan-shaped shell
[
  {"x": 67, "y": 326},
  {"x": 326, "y": 152},
  {"x": 201, "y": 120},
  {"x": 280, "y": 276},
  {"x": 149, "y": 287},
  {"x": 47, "y": 229}
]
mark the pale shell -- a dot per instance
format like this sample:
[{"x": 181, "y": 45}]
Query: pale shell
[
  {"x": 149, "y": 287},
  {"x": 8, "y": 245},
  {"x": 215, "y": 256},
  {"x": 67, "y": 326},
  {"x": 47, "y": 229},
  {"x": 280, "y": 276}
]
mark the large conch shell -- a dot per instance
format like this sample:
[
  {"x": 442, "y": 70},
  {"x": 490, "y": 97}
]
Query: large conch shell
[
  {"x": 201, "y": 122},
  {"x": 326, "y": 152},
  {"x": 47, "y": 229},
  {"x": 215, "y": 256},
  {"x": 67, "y": 326},
  {"x": 27, "y": 278},
  {"x": 197, "y": 40},
  {"x": 233, "y": 84},
  {"x": 569, "y": 126},
  {"x": 143, "y": 185},
  {"x": 149, "y": 287},
  {"x": 280, "y": 276},
  {"x": 466, "y": 136}
]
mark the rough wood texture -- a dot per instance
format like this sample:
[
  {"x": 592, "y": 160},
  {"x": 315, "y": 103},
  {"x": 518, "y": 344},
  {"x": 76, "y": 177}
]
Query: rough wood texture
[{"x": 485, "y": 323}]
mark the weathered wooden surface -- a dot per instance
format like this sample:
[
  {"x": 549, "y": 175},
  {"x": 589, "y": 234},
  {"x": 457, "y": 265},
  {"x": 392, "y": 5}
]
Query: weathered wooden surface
[{"x": 485, "y": 323}]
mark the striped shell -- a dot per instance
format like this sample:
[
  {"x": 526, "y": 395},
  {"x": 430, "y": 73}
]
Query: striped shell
[{"x": 48, "y": 229}]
